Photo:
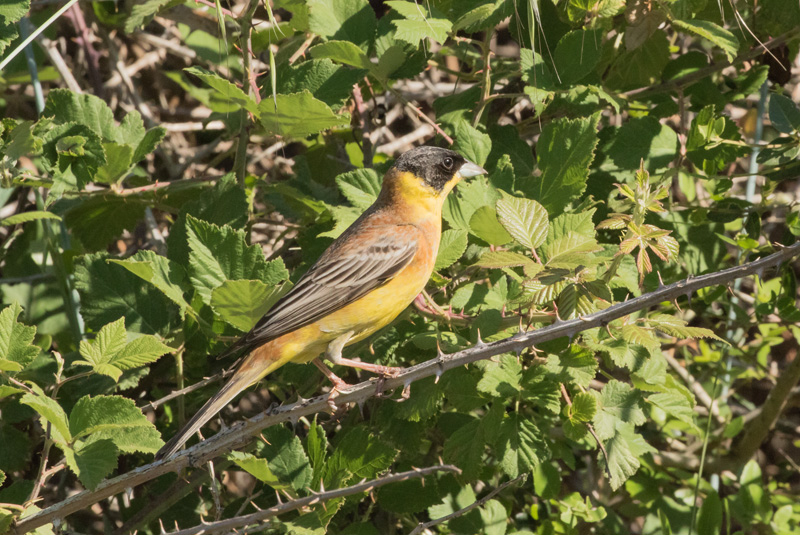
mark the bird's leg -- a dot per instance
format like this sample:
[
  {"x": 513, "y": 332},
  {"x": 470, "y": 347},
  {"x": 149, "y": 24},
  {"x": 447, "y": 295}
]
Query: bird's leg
[
  {"x": 334, "y": 355},
  {"x": 339, "y": 384}
]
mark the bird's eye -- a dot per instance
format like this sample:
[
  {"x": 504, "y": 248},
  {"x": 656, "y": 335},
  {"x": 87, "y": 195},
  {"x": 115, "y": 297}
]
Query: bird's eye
[{"x": 448, "y": 163}]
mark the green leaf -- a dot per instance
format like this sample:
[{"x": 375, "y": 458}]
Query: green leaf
[
  {"x": 675, "y": 404},
  {"x": 243, "y": 302},
  {"x": 525, "y": 220},
  {"x": 226, "y": 91},
  {"x": 118, "y": 162},
  {"x": 577, "y": 54},
  {"x": 643, "y": 139},
  {"x": 419, "y": 23},
  {"x": 501, "y": 379},
  {"x": 460, "y": 206},
  {"x": 25, "y": 217},
  {"x": 576, "y": 366},
  {"x": 117, "y": 419},
  {"x": 13, "y": 10},
  {"x": 566, "y": 149},
  {"x": 784, "y": 114},
  {"x": 677, "y": 327},
  {"x": 471, "y": 142},
  {"x": 16, "y": 349},
  {"x": 65, "y": 107},
  {"x": 358, "y": 454},
  {"x": 258, "y": 468},
  {"x": 109, "y": 292},
  {"x": 451, "y": 246},
  {"x": 342, "y": 52},
  {"x": 287, "y": 459},
  {"x": 503, "y": 259},
  {"x": 347, "y": 20},
  {"x": 74, "y": 153},
  {"x": 328, "y": 82},
  {"x": 521, "y": 445},
  {"x": 360, "y": 186},
  {"x": 298, "y": 115},
  {"x": 100, "y": 351},
  {"x": 709, "y": 518},
  {"x": 465, "y": 447},
  {"x": 51, "y": 412},
  {"x": 218, "y": 254},
  {"x": 161, "y": 272},
  {"x": 99, "y": 219},
  {"x": 584, "y": 407},
  {"x": 641, "y": 66},
  {"x": 617, "y": 403},
  {"x": 92, "y": 461},
  {"x": 711, "y": 32},
  {"x": 625, "y": 449},
  {"x": 484, "y": 224}
]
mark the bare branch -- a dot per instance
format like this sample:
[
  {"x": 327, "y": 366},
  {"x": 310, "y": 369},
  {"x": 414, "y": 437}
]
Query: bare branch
[
  {"x": 240, "y": 434},
  {"x": 461, "y": 512},
  {"x": 314, "y": 498}
]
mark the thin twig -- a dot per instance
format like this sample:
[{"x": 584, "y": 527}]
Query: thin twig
[
  {"x": 399, "y": 96},
  {"x": 461, "y": 512},
  {"x": 240, "y": 434},
  {"x": 315, "y": 498},
  {"x": 364, "y": 123}
]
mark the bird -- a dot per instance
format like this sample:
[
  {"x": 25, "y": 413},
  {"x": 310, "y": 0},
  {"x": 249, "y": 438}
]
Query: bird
[{"x": 360, "y": 284}]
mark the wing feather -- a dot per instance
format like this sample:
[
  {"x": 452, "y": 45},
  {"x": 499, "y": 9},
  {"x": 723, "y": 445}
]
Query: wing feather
[{"x": 347, "y": 271}]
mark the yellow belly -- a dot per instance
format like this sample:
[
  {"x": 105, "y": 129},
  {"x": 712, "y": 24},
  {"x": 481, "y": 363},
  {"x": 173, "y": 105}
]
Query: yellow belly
[{"x": 363, "y": 317}]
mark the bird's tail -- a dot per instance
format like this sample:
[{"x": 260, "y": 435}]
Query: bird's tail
[{"x": 251, "y": 370}]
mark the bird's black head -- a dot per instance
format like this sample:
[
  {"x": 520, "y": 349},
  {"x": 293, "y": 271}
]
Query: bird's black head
[{"x": 436, "y": 166}]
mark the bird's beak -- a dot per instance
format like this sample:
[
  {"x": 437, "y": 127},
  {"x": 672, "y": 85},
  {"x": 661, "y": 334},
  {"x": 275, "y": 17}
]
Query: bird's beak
[{"x": 470, "y": 169}]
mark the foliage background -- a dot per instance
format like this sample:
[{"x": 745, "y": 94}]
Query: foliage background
[{"x": 161, "y": 187}]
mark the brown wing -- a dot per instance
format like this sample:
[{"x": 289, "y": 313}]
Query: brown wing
[{"x": 353, "y": 265}]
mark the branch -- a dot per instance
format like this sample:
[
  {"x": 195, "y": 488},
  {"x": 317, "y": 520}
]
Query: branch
[
  {"x": 316, "y": 497},
  {"x": 241, "y": 433},
  {"x": 461, "y": 512}
]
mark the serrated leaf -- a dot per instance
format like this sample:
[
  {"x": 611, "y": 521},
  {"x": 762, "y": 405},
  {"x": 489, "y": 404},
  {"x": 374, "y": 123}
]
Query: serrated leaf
[
  {"x": 521, "y": 445},
  {"x": 584, "y": 407},
  {"x": 465, "y": 448},
  {"x": 452, "y": 245},
  {"x": 471, "y": 142},
  {"x": 16, "y": 349},
  {"x": 578, "y": 366},
  {"x": 99, "y": 219},
  {"x": 419, "y": 22},
  {"x": 676, "y": 405},
  {"x": 342, "y": 52},
  {"x": 677, "y": 327},
  {"x": 117, "y": 419},
  {"x": 711, "y": 32},
  {"x": 501, "y": 379},
  {"x": 784, "y": 114},
  {"x": 298, "y": 115},
  {"x": 218, "y": 254},
  {"x": 92, "y": 461},
  {"x": 258, "y": 468},
  {"x": 25, "y": 217},
  {"x": 161, "y": 272},
  {"x": 617, "y": 403},
  {"x": 566, "y": 149},
  {"x": 525, "y": 220},
  {"x": 243, "y": 302},
  {"x": 484, "y": 224},
  {"x": 503, "y": 259},
  {"x": 226, "y": 91},
  {"x": 348, "y": 20},
  {"x": 109, "y": 292},
  {"x": 625, "y": 449},
  {"x": 51, "y": 412},
  {"x": 360, "y": 186},
  {"x": 99, "y": 352}
]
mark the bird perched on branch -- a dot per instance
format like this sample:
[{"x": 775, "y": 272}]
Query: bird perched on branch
[{"x": 362, "y": 282}]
